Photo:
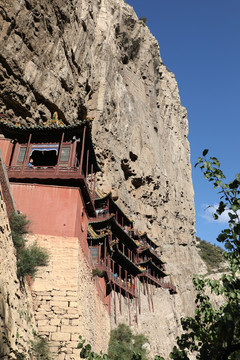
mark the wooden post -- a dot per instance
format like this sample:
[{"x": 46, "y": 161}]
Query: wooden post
[
  {"x": 139, "y": 291},
  {"x": 120, "y": 304},
  {"x": 105, "y": 251},
  {"x": 94, "y": 185},
  {"x": 120, "y": 279},
  {"x": 82, "y": 152},
  {"x": 59, "y": 151},
  {"x": 87, "y": 163},
  {"x": 26, "y": 153},
  {"x": 149, "y": 304},
  {"x": 151, "y": 297},
  {"x": 99, "y": 253},
  {"x": 91, "y": 189},
  {"x": 136, "y": 300},
  {"x": 115, "y": 307},
  {"x": 129, "y": 310},
  {"x": 73, "y": 154}
]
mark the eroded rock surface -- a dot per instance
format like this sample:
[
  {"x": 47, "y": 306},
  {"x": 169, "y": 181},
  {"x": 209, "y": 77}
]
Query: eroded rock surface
[{"x": 95, "y": 58}]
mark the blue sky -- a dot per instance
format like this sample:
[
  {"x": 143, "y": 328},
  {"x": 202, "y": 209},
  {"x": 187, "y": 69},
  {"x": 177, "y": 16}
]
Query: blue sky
[{"x": 200, "y": 43}]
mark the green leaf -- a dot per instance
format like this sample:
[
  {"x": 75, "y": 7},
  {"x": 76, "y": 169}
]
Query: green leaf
[
  {"x": 205, "y": 152},
  {"x": 238, "y": 177}
]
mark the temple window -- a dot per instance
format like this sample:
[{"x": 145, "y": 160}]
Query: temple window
[
  {"x": 44, "y": 155},
  {"x": 21, "y": 154},
  {"x": 95, "y": 255},
  {"x": 65, "y": 153}
]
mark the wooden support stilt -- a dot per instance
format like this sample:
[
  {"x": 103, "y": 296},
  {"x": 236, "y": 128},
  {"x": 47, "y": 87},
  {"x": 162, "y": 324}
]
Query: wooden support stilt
[
  {"x": 115, "y": 307},
  {"x": 149, "y": 303},
  {"x": 139, "y": 296},
  {"x": 120, "y": 303},
  {"x": 136, "y": 300},
  {"x": 144, "y": 289},
  {"x": 129, "y": 309},
  {"x": 110, "y": 304},
  {"x": 151, "y": 296}
]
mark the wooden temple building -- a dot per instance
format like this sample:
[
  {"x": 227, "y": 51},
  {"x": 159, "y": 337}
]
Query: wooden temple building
[{"x": 52, "y": 171}]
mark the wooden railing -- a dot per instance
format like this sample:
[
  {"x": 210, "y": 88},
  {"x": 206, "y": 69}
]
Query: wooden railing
[{"x": 117, "y": 281}]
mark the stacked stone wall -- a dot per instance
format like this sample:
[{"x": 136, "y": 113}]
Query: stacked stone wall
[{"x": 66, "y": 301}]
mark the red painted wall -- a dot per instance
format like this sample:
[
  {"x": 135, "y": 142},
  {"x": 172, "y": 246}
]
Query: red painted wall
[
  {"x": 52, "y": 210},
  {"x": 58, "y": 211},
  {"x": 6, "y": 149}
]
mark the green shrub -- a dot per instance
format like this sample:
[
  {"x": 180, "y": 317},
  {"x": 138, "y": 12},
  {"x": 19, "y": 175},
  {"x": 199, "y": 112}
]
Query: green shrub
[
  {"x": 40, "y": 349},
  {"x": 28, "y": 258},
  {"x": 123, "y": 344},
  {"x": 211, "y": 254},
  {"x": 143, "y": 19}
]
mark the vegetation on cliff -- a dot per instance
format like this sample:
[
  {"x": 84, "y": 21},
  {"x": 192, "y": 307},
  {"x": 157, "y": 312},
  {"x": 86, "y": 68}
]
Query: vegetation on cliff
[
  {"x": 123, "y": 345},
  {"x": 28, "y": 257},
  {"x": 212, "y": 255}
]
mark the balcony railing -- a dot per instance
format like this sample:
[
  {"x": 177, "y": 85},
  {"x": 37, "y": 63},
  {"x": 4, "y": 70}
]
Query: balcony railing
[
  {"x": 44, "y": 172},
  {"x": 127, "y": 287}
]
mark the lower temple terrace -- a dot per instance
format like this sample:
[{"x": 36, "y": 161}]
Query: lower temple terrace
[{"x": 122, "y": 255}]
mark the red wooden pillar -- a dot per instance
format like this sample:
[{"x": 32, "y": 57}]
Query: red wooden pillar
[
  {"x": 94, "y": 185},
  {"x": 91, "y": 189},
  {"x": 87, "y": 164},
  {"x": 73, "y": 156},
  {"x": 105, "y": 251},
  {"x": 139, "y": 296},
  {"x": 129, "y": 310},
  {"x": 115, "y": 307},
  {"x": 82, "y": 152},
  {"x": 99, "y": 253},
  {"x": 149, "y": 305},
  {"x": 136, "y": 300},
  {"x": 120, "y": 279},
  {"x": 26, "y": 153},
  {"x": 59, "y": 151},
  {"x": 151, "y": 297}
]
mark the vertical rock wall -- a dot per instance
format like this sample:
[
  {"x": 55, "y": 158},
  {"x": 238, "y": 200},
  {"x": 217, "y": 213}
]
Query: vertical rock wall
[{"x": 16, "y": 312}]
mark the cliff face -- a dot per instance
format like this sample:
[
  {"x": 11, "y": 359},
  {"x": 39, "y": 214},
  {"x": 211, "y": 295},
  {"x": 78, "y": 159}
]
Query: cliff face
[
  {"x": 16, "y": 309},
  {"x": 94, "y": 58}
]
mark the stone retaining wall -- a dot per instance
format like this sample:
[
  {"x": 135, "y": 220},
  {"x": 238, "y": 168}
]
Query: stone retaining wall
[{"x": 66, "y": 301}]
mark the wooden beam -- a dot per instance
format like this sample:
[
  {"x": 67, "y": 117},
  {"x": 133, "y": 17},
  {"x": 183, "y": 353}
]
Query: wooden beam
[{"x": 82, "y": 152}]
